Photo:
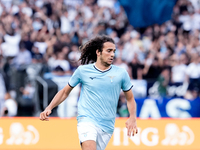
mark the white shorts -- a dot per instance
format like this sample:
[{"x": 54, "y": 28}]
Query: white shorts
[{"x": 88, "y": 131}]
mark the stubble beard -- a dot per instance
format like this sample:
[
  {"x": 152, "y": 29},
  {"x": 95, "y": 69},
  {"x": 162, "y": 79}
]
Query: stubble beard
[{"x": 104, "y": 63}]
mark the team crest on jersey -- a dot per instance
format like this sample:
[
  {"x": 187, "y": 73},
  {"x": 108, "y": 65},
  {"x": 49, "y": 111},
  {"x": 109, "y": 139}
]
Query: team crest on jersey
[{"x": 111, "y": 78}]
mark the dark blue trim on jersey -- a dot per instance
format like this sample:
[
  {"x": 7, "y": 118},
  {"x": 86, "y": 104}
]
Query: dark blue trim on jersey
[
  {"x": 70, "y": 85},
  {"x": 128, "y": 89},
  {"x": 102, "y": 71}
]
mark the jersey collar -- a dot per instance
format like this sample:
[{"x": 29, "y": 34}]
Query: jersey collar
[{"x": 101, "y": 70}]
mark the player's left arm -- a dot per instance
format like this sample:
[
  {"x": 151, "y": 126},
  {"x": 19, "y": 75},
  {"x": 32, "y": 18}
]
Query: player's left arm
[{"x": 131, "y": 124}]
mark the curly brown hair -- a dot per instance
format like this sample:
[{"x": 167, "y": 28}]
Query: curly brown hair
[{"x": 88, "y": 50}]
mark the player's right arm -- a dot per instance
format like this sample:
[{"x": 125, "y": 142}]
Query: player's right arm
[{"x": 58, "y": 98}]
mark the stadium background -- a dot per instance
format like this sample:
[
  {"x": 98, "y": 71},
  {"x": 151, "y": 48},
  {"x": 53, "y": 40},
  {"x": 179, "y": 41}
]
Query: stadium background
[{"x": 157, "y": 43}]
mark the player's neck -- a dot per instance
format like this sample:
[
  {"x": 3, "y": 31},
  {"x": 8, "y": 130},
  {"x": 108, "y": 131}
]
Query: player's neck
[{"x": 101, "y": 67}]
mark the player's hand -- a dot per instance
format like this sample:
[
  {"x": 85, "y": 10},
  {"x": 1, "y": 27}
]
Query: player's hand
[
  {"x": 44, "y": 115},
  {"x": 131, "y": 126}
]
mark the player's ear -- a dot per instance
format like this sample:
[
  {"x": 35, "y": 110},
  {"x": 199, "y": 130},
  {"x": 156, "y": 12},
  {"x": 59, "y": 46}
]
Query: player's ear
[{"x": 97, "y": 52}]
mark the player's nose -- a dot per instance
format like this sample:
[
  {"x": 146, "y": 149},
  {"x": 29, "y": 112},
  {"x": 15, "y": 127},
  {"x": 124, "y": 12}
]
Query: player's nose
[{"x": 112, "y": 54}]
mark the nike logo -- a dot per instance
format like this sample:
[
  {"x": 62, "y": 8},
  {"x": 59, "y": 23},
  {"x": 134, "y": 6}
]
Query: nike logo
[{"x": 92, "y": 78}]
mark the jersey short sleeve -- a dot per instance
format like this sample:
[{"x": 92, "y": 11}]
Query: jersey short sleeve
[
  {"x": 75, "y": 78},
  {"x": 126, "y": 82}
]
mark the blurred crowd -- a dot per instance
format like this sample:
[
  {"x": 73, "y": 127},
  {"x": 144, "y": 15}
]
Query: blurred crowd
[{"x": 46, "y": 35}]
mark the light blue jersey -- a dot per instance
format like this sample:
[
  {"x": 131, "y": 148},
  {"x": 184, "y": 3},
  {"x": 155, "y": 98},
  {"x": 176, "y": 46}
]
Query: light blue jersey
[{"x": 100, "y": 94}]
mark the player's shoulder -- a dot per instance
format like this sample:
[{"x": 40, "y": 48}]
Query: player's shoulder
[
  {"x": 87, "y": 66},
  {"x": 119, "y": 69}
]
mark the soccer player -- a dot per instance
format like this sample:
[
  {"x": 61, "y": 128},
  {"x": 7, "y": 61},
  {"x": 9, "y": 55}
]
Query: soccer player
[{"x": 101, "y": 86}]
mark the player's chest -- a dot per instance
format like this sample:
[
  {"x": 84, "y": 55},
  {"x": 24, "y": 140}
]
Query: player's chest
[{"x": 110, "y": 79}]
